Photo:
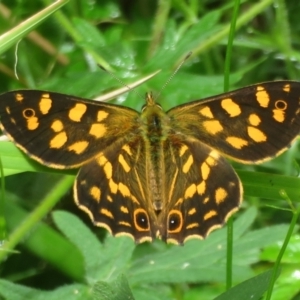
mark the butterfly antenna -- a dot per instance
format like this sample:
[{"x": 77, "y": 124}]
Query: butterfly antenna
[
  {"x": 130, "y": 89},
  {"x": 173, "y": 74}
]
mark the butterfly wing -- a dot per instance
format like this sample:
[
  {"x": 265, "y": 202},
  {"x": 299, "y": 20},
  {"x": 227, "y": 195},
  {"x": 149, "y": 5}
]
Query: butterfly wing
[
  {"x": 204, "y": 190},
  {"x": 62, "y": 131},
  {"x": 112, "y": 189},
  {"x": 244, "y": 124}
]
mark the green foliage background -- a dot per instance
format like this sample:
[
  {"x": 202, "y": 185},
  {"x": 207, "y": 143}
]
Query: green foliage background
[{"x": 52, "y": 254}]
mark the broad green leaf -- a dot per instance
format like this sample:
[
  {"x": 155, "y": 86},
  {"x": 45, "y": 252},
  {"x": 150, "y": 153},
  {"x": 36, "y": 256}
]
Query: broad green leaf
[
  {"x": 13, "y": 291},
  {"x": 46, "y": 243},
  {"x": 117, "y": 289},
  {"x": 205, "y": 260},
  {"x": 253, "y": 288},
  {"x": 270, "y": 186},
  {"x": 102, "y": 261},
  {"x": 291, "y": 254}
]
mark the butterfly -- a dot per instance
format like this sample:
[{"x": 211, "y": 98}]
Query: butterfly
[{"x": 155, "y": 174}]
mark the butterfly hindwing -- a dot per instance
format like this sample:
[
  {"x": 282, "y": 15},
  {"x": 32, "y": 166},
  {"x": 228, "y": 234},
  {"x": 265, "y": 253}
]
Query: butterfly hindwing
[
  {"x": 62, "y": 131},
  {"x": 112, "y": 190},
  {"x": 250, "y": 125},
  {"x": 204, "y": 190}
]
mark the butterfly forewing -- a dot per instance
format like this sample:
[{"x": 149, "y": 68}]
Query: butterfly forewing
[
  {"x": 62, "y": 131},
  {"x": 250, "y": 125}
]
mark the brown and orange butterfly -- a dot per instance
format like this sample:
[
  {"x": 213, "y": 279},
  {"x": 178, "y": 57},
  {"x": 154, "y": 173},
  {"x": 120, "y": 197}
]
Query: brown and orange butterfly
[{"x": 155, "y": 173}]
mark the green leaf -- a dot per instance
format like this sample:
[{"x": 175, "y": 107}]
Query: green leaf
[
  {"x": 253, "y": 288},
  {"x": 13, "y": 291},
  {"x": 270, "y": 186},
  {"x": 14, "y": 35},
  {"x": 102, "y": 261},
  {"x": 94, "y": 39},
  {"x": 117, "y": 289},
  {"x": 190, "y": 39},
  {"x": 46, "y": 243},
  {"x": 204, "y": 260},
  {"x": 291, "y": 254}
]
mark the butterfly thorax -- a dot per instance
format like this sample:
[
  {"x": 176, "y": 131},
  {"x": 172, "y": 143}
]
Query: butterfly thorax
[{"x": 154, "y": 129}]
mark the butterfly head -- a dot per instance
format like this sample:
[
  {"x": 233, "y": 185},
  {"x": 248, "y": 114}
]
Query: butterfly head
[
  {"x": 150, "y": 100},
  {"x": 151, "y": 103}
]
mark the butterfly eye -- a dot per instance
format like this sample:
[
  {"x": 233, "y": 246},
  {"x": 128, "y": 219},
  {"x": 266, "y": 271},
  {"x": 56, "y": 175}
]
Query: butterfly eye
[
  {"x": 141, "y": 220},
  {"x": 156, "y": 104},
  {"x": 175, "y": 221},
  {"x": 159, "y": 106}
]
